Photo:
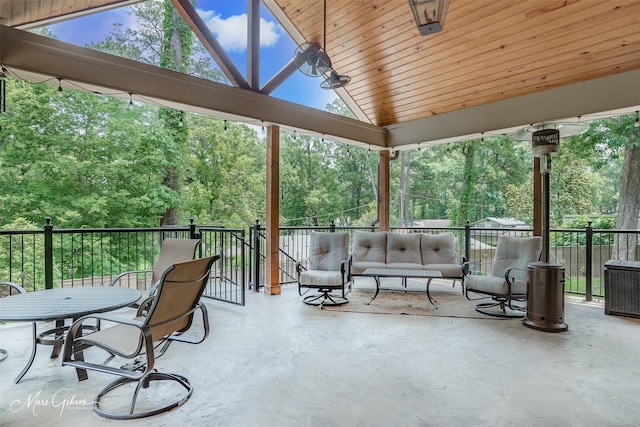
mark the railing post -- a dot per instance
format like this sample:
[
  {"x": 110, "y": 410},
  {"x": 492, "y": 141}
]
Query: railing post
[
  {"x": 467, "y": 242},
  {"x": 192, "y": 229},
  {"x": 589, "y": 263},
  {"x": 333, "y": 226},
  {"x": 256, "y": 256},
  {"x": 48, "y": 254}
]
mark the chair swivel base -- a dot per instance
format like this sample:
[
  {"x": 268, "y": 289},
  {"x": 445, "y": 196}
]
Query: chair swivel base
[
  {"x": 142, "y": 383},
  {"x": 324, "y": 298},
  {"x": 500, "y": 309}
]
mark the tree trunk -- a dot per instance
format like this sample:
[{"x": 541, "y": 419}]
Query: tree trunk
[
  {"x": 624, "y": 245},
  {"x": 176, "y": 48},
  {"x": 468, "y": 177},
  {"x": 405, "y": 183}
]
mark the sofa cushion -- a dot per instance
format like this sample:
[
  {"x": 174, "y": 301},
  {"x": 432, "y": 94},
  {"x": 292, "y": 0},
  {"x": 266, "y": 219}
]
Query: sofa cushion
[
  {"x": 438, "y": 248},
  {"x": 447, "y": 270},
  {"x": 369, "y": 247},
  {"x": 361, "y": 266},
  {"x": 403, "y": 248}
]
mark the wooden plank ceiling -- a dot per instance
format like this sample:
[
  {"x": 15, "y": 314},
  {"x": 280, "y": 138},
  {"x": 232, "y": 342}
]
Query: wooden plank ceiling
[{"x": 488, "y": 51}]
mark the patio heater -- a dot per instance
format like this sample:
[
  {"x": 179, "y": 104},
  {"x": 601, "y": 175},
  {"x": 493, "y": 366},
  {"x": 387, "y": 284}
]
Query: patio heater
[{"x": 545, "y": 282}]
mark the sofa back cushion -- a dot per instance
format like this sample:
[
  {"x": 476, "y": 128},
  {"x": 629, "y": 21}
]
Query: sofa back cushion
[
  {"x": 438, "y": 248},
  {"x": 403, "y": 248},
  {"x": 328, "y": 250},
  {"x": 369, "y": 246}
]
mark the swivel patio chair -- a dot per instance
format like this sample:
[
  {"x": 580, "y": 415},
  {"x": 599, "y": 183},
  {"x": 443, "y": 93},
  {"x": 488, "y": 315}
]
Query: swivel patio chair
[
  {"x": 326, "y": 271},
  {"x": 7, "y": 289},
  {"x": 168, "y": 315},
  {"x": 507, "y": 282}
]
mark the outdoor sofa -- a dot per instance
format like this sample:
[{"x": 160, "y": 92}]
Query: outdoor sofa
[{"x": 412, "y": 251}]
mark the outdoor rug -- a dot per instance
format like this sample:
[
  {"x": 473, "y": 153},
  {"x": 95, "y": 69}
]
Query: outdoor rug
[{"x": 393, "y": 299}]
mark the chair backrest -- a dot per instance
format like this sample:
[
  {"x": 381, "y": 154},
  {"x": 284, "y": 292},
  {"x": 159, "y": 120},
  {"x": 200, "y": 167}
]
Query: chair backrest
[
  {"x": 516, "y": 253},
  {"x": 172, "y": 251},
  {"x": 328, "y": 250},
  {"x": 180, "y": 289}
]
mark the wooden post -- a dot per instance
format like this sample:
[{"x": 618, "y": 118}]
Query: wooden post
[
  {"x": 272, "y": 279},
  {"x": 537, "y": 198},
  {"x": 383, "y": 190}
]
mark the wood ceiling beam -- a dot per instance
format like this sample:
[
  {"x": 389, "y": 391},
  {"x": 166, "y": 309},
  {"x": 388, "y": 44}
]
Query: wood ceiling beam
[
  {"x": 210, "y": 43},
  {"x": 253, "y": 44},
  {"x": 31, "y": 56}
]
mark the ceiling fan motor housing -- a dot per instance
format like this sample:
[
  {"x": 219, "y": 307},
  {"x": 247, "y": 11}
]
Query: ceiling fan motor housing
[{"x": 545, "y": 141}]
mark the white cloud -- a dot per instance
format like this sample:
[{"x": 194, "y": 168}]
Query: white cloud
[{"x": 231, "y": 32}]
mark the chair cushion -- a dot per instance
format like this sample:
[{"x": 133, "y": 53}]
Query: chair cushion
[
  {"x": 369, "y": 246},
  {"x": 438, "y": 249},
  {"x": 319, "y": 278},
  {"x": 494, "y": 285},
  {"x": 403, "y": 248},
  {"x": 328, "y": 250}
]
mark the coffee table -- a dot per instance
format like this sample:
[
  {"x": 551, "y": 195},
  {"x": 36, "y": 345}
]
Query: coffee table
[
  {"x": 59, "y": 304},
  {"x": 377, "y": 273}
]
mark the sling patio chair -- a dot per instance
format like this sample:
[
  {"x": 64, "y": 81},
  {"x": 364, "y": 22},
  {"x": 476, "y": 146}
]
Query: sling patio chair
[
  {"x": 161, "y": 320},
  {"x": 172, "y": 251},
  {"x": 507, "y": 282}
]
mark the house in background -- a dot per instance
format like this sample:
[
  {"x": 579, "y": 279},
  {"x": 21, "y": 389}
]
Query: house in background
[
  {"x": 496, "y": 227},
  {"x": 499, "y": 223}
]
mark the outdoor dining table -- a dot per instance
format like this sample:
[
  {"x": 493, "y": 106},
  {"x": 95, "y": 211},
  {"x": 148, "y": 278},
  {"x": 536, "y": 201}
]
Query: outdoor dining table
[{"x": 59, "y": 304}]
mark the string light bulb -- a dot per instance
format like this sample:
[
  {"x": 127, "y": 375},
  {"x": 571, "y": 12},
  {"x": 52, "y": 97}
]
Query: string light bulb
[
  {"x": 130, "y": 100},
  {"x": 59, "y": 86},
  {"x": 225, "y": 125},
  {"x": 180, "y": 122},
  {"x": 637, "y": 122}
]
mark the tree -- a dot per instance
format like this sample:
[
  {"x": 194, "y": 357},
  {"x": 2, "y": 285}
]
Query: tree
[
  {"x": 71, "y": 157},
  {"x": 612, "y": 138},
  {"x": 176, "y": 50}
]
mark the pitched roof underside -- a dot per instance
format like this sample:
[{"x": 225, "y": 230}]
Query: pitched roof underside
[{"x": 496, "y": 66}]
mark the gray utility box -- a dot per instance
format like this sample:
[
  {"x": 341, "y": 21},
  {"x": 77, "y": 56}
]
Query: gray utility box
[{"x": 622, "y": 288}]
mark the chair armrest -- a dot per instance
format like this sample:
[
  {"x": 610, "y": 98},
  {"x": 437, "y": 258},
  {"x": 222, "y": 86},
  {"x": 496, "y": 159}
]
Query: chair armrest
[
  {"x": 15, "y": 286},
  {"x": 466, "y": 265},
  {"x": 507, "y": 274},
  {"x": 126, "y": 273},
  {"x": 299, "y": 267}
]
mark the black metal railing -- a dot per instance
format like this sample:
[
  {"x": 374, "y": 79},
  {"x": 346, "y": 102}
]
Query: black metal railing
[
  {"x": 582, "y": 251},
  {"x": 51, "y": 257},
  {"x": 47, "y": 258}
]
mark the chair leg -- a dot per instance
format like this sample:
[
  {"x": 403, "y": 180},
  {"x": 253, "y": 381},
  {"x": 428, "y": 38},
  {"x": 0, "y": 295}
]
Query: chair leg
[
  {"x": 324, "y": 297},
  {"x": 144, "y": 382},
  {"x": 507, "y": 311}
]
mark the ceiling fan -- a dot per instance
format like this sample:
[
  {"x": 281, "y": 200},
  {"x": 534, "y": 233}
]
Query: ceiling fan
[
  {"x": 566, "y": 129},
  {"x": 313, "y": 61}
]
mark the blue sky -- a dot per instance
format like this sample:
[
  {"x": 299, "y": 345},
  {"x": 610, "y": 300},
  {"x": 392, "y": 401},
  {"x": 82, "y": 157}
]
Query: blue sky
[{"x": 227, "y": 19}]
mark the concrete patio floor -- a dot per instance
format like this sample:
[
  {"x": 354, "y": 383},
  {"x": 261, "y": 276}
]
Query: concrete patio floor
[{"x": 278, "y": 362}]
